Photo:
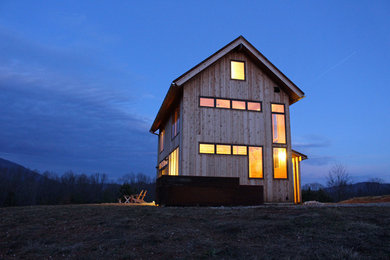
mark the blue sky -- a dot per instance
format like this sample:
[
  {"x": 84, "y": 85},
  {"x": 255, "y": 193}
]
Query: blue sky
[{"x": 80, "y": 83}]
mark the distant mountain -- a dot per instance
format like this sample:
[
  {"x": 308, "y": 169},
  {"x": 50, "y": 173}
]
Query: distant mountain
[{"x": 5, "y": 164}]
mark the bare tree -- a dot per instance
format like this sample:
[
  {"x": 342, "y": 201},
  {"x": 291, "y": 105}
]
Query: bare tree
[{"x": 338, "y": 181}]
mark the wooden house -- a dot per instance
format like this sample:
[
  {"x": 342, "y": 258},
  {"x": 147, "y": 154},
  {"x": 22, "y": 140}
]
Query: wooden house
[{"x": 224, "y": 133}]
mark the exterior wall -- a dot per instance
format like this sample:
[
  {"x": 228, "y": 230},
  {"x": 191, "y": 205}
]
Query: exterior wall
[
  {"x": 170, "y": 144},
  {"x": 200, "y": 124}
]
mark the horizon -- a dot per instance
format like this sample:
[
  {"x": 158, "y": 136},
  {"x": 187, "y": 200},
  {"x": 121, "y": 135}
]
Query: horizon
[{"x": 81, "y": 82}]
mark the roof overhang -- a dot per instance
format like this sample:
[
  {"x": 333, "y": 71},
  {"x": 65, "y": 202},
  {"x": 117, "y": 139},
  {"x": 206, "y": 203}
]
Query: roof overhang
[
  {"x": 298, "y": 154},
  {"x": 240, "y": 44}
]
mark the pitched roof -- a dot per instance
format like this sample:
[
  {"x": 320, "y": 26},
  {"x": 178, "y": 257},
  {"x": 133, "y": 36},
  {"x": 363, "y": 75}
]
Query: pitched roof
[{"x": 241, "y": 43}]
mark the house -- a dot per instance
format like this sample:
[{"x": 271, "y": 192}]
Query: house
[{"x": 224, "y": 133}]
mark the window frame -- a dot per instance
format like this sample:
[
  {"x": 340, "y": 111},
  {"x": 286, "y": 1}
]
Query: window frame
[
  {"x": 287, "y": 163},
  {"x": 175, "y": 124},
  {"x": 231, "y": 104},
  {"x": 161, "y": 139},
  {"x": 262, "y": 162},
  {"x": 230, "y": 68},
  {"x": 285, "y": 123}
]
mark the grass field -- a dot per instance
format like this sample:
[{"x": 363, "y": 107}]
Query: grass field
[{"x": 121, "y": 232}]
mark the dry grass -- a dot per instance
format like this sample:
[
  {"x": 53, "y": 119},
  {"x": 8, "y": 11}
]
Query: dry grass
[
  {"x": 118, "y": 232},
  {"x": 369, "y": 199}
]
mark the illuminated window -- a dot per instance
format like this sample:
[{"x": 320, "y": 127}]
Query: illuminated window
[
  {"x": 173, "y": 164},
  {"x": 237, "y": 69},
  {"x": 254, "y": 106},
  {"x": 175, "y": 122},
  {"x": 223, "y": 149},
  {"x": 162, "y": 134},
  {"x": 280, "y": 162},
  {"x": 278, "y": 124},
  {"x": 238, "y": 104},
  {"x": 162, "y": 167},
  {"x": 223, "y": 103},
  {"x": 206, "y": 102},
  {"x": 239, "y": 150},
  {"x": 255, "y": 162},
  {"x": 277, "y": 108},
  {"x": 206, "y": 148}
]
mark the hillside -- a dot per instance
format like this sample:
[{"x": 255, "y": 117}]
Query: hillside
[{"x": 126, "y": 232}]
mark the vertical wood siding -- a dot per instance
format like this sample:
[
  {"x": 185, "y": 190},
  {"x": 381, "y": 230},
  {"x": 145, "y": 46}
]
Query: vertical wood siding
[{"x": 199, "y": 124}]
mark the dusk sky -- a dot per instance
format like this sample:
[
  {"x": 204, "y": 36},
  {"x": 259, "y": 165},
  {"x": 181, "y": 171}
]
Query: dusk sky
[{"x": 80, "y": 83}]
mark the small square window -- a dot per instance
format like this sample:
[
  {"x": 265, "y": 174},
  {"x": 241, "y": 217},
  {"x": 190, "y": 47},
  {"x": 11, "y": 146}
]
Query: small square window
[{"x": 237, "y": 69}]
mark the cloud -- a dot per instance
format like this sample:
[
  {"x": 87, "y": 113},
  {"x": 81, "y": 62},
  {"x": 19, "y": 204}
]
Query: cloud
[
  {"x": 311, "y": 141},
  {"x": 58, "y": 118}
]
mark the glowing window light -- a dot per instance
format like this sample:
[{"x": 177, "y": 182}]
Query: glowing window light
[
  {"x": 239, "y": 150},
  {"x": 238, "y": 104},
  {"x": 255, "y": 162},
  {"x": 278, "y": 129},
  {"x": 254, "y": 106},
  {"x": 237, "y": 70},
  {"x": 280, "y": 163},
  {"x": 206, "y": 102},
  {"x": 223, "y": 103},
  {"x": 277, "y": 108},
  {"x": 223, "y": 149},
  {"x": 207, "y": 148},
  {"x": 173, "y": 164}
]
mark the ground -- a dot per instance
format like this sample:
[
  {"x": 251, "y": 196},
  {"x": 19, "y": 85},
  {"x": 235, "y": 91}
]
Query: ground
[{"x": 143, "y": 232}]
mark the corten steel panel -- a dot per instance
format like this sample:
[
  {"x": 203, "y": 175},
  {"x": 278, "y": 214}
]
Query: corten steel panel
[{"x": 206, "y": 191}]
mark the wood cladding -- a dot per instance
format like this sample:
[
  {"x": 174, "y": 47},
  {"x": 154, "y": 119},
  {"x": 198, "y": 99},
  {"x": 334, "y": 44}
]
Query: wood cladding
[{"x": 228, "y": 126}]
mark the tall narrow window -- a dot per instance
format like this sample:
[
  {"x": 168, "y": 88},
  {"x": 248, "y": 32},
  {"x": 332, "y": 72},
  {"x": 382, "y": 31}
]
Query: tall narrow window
[
  {"x": 175, "y": 122},
  {"x": 278, "y": 124},
  {"x": 237, "y": 69},
  {"x": 162, "y": 134},
  {"x": 255, "y": 162},
  {"x": 280, "y": 162},
  {"x": 173, "y": 163}
]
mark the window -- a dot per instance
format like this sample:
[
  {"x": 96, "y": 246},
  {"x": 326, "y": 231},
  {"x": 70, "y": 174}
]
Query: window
[
  {"x": 277, "y": 108},
  {"x": 173, "y": 163},
  {"x": 238, "y": 104},
  {"x": 280, "y": 162},
  {"x": 237, "y": 69},
  {"x": 230, "y": 104},
  {"x": 255, "y": 162},
  {"x": 206, "y": 102},
  {"x": 278, "y": 124},
  {"x": 162, "y": 167},
  {"x": 254, "y": 106},
  {"x": 223, "y": 103},
  {"x": 162, "y": 134},
  {"x": 175, "y": 122},
  {"x": 207, "y": 148},
  {"x": 223, "y": 149},
  {"x": 239, "y": 150}
]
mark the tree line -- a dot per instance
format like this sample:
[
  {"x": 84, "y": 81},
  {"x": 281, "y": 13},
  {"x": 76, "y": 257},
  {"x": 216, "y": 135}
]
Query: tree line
[
  {"x": 339, "y": 187},
  {"x": 20, "y": 187}
]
